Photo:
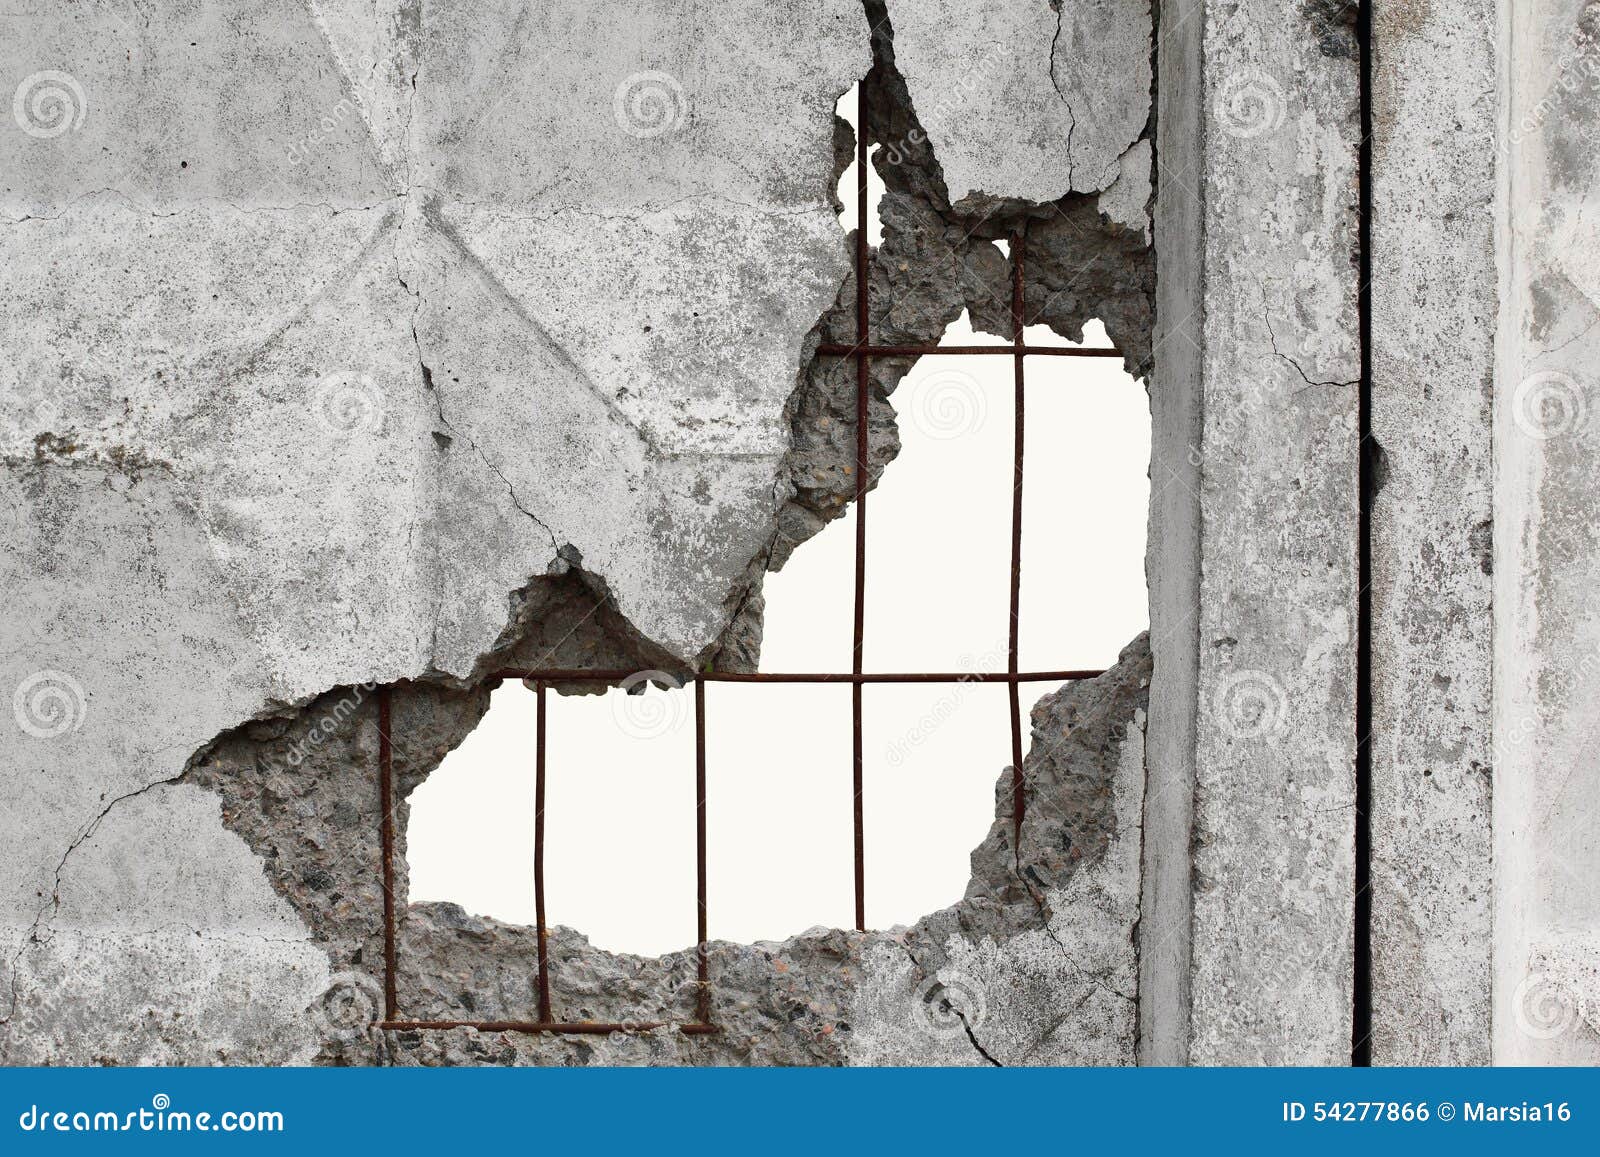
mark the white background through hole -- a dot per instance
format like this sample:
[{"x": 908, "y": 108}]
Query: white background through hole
[{"x": 619, "y": 825}]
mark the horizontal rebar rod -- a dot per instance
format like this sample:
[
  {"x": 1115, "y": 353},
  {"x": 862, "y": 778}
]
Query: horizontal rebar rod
[
  {"x": 602, "y": 676},
  {"x": 917, "y": 351}
]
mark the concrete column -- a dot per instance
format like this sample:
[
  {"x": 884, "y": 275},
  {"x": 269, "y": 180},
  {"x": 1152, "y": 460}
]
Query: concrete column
[
  {"x": 1174, "y": 568},
  {"x": 1267, "y": 245},
  {"x": 1434, "y": 301},
  {"x": 1547, "y": 545}
]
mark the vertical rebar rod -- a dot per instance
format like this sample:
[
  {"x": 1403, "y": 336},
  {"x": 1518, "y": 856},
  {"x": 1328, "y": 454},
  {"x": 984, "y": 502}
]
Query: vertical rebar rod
[
  {"x": 538, "y": 851},
  {"x": 391, "y": 1002},
  {"x": 863, "y": 380},
  {"x": 1019, "y": 359},
  {"x": 702, "y": 1003}
]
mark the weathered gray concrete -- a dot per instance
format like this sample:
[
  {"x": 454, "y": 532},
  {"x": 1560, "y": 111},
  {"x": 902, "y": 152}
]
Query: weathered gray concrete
[
  {"x": 1547, "y": 545},
  {"x": 386, "y": 342},
  {"x": 1434, "y": 307},
  {"x": 1173, "y": 569},
  {"x": 1275, "y": 359},
  {"x": 378, "y": 342},
  {"x": 1023, "y": 99}
]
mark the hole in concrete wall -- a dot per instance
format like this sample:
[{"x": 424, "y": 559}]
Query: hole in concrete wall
[
  {"x": 620, "y": 863},
  {"x": 778, "y": 804},
  {"x": 470, "y": 836},
  {"x": 619, "y": 817},
  {"x": 848, "y": 194}
]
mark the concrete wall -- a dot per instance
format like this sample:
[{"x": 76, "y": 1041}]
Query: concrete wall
[
  {"x": 1434, "y": 306},
  {"x": 1256, "y": 247},
  {"x": 1546, "y": 990},
  {"x": 307, "y": 395}
]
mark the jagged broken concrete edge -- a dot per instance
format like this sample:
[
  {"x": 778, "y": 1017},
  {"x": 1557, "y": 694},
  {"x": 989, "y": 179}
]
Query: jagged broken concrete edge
[
  {"x": 1035, "y": 964},
  {"x": 629, "y": 647}
]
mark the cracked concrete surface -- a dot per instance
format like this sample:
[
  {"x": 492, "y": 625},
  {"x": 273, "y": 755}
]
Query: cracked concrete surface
[
  {"x": 376, "y": 341},
  {"x": 381, "y": 342}
]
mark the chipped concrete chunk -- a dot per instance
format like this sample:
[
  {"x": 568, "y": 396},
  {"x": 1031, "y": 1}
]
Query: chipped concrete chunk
[
  {"x": 1026, "y": 99},
  {"x": 342, "y": 270}
]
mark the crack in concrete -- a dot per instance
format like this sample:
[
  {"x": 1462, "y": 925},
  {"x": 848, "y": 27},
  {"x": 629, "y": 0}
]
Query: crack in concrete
[
  {"x": 1272, "y": 338},
  {"x": 53, "y": 903},
  {"x": 1050, "y": 70}
]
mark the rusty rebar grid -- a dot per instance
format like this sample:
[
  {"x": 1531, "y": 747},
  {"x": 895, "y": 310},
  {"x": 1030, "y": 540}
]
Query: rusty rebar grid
[{"x": 862, "y": 352}]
